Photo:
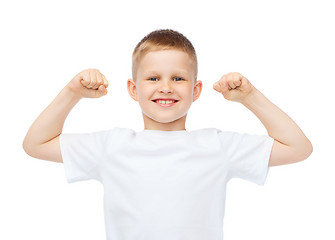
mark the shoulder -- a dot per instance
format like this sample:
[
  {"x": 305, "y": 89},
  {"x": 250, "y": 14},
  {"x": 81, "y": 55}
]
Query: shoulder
[{"x": 232, "y": 137}]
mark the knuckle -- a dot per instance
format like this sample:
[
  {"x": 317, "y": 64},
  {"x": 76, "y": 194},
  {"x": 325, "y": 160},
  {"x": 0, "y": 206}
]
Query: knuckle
[
  {"x": 86, "y": 77},
  {"x": 236, "y": 77},
  {"x": 90, "y": 71},
  {"x": 230, "y": 76},
  {"x": 87, "y": 70}
]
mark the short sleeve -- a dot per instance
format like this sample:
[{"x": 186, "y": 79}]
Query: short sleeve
[
  {"x": 81, "y": 154},
  {"x": 247, "y": 155}
]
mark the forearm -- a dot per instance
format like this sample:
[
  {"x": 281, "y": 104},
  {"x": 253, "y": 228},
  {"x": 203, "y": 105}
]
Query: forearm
[
  {"x": 277, "y": 123},
  {"x": 49, "y": 123}
]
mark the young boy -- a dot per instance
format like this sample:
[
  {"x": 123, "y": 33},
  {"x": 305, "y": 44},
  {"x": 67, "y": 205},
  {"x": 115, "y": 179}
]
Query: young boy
[{"x": 165, "y": 182}]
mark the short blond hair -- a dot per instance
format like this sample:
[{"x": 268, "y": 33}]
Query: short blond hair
[{"x": 163, "y": 39}]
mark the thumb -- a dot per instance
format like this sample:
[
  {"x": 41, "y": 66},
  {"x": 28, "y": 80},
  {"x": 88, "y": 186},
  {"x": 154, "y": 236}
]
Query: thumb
[
  {"x": 95, "y": 93},
  {"x": 102, "y": 91}
]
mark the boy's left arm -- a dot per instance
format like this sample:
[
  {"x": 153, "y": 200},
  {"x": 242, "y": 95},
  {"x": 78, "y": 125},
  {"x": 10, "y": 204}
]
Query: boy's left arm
[{"x": 290, "y": 145}]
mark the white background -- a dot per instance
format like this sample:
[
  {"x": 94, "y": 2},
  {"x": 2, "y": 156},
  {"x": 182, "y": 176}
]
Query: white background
[{"x": 285, "y": 48}]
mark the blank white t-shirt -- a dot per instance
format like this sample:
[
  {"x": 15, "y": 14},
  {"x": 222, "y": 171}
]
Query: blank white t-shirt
[{"x": 165, "y": 185}]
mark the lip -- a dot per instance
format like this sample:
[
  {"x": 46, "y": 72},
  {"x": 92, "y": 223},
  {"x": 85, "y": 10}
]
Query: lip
[
  {"x": 165, "y": 105},
  {"x": 166, "y": 99}
]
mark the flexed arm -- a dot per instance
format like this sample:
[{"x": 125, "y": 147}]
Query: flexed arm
[
  {"x": 42, "y": 139},
  {"x": 290, "y": 145}
]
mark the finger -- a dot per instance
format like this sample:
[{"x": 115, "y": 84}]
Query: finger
[
  {"x": 224, "y": 87},
  {"x": 99, "y": 82},
  {"x": 105, "y": 81},
  {"x": 84, "y": 83},
  {"x": 93, "y": 79},
  {"x": 229, "y": 80},
  {"x": 237, "y": 83},
  {"x": 231, "y": 84},
  {"x": 85, "y": 79},
  {"x": 216, "y": 86},
  {"x": 224, "y": 84},
  {"x": 223, "y": 81},
  {"x": 237, "y": 79},
  {"x": 221, "y": 86}
]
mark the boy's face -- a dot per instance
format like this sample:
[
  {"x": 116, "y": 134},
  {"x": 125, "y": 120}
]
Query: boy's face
[{"x": 166, "y": 74}]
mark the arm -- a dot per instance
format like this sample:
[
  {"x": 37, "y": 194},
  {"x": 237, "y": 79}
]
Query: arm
[
  {"x": 42, "y": 139},
  {"x": 290, "y": 145}
]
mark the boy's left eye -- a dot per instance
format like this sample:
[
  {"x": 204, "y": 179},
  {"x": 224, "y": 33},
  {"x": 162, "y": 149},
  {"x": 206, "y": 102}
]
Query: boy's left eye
[{"x": 179, "y": 78}]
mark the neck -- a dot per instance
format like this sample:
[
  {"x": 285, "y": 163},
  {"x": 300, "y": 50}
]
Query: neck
[{"x": 177, "y": 125}]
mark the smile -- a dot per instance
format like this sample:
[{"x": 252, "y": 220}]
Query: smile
[{"x": 167, "y": 103}]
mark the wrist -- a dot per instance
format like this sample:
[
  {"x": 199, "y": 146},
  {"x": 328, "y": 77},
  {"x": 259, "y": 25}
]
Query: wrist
[
  {"x": 253, "y": 98},
  {"x": 71, "y": 94}
]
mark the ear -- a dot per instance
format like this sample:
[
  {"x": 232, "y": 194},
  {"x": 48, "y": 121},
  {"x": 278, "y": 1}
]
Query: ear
[
  {"x": 197, "y": 90},
  {"x": 131, "y": 86}
]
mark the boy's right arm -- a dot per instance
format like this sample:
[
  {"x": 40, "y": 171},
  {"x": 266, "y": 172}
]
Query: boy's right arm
[{"x": 42, "y": 139}]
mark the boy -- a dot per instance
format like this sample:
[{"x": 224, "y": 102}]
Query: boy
[{"x": 165, "y": 182}]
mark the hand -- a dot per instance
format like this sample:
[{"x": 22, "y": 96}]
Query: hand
[
  {"x": 234, "y": 87},
  {"x": 89, "y": 83}
]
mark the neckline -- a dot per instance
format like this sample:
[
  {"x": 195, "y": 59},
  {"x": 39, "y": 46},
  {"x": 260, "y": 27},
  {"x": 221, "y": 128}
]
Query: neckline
[{"x": 164, "y": 132}]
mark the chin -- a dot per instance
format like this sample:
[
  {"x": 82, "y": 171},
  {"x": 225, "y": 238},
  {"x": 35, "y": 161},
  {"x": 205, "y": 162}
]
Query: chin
[
  {"x": 168, "y": 120},
  {"x": 161, "y": 119}
]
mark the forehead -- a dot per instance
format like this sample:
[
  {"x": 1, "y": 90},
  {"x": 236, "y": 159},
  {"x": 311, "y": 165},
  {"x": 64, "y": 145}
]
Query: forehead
[{"x": 166, "y": 60}]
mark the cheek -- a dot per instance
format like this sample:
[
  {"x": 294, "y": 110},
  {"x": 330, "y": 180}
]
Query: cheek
[
  {"x": 187, "y": 92},
  {"x": 145, "y": 92}
]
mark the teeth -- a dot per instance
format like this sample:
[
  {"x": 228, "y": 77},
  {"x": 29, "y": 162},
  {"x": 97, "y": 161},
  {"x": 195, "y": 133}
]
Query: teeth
[{"x": 164, "y": 102}]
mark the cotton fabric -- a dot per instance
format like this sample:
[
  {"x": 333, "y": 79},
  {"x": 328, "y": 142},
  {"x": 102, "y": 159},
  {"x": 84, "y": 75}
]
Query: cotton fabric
[{"x": 166, "y": 185}]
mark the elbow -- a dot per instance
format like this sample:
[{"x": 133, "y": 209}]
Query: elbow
[
  {"x": 309, "y": 150},
  {"x": 306, "y": 151},
  {"x": 28, "y": 148},
  {"x": 25, "y": 147}
]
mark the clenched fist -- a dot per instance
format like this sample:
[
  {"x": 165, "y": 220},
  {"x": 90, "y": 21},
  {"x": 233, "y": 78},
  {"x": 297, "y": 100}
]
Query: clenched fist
[
  {"x": 89, "y": 83},
  {"x": 234, "y": 87}
]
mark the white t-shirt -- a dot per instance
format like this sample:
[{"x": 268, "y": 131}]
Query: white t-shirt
[{"x": 166, "y": 185}]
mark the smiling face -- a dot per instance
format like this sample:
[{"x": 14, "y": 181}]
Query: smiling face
[{"x": 165, "y": 74}]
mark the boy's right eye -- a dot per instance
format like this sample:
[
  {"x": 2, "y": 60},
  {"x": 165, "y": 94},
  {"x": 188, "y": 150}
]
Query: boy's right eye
[{"x": 153, "y": 78}]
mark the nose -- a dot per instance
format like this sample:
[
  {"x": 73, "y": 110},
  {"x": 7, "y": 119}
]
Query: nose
[{"x": 165, "y": 87}]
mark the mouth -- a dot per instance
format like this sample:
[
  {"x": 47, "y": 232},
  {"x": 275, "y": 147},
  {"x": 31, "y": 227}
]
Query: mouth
[{"x": 165, "y": 102}]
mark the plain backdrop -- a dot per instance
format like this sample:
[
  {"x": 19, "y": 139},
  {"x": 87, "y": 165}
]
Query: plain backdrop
[{"x": 285, "y": 48}]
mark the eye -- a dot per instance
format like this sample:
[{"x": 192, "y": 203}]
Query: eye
[{"x": 177, "y": 79}]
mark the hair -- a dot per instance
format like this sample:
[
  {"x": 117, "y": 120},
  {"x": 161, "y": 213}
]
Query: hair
[{"x": 163, "y": 39}]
